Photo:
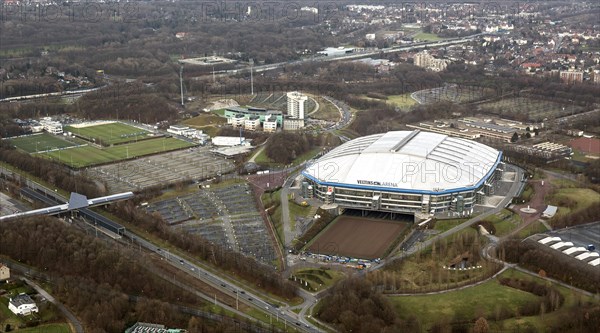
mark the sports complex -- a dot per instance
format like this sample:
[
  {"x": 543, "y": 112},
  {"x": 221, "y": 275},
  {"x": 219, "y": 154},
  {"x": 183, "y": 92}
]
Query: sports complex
[
  {"x": 406, "y": 172},
  {"x": 95, "y": 143}
]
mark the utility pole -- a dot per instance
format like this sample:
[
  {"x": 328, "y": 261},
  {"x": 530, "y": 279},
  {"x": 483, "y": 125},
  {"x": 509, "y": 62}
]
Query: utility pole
[
  {"x": 251, "y": 77},
  {"x": 181, "y": 82}
]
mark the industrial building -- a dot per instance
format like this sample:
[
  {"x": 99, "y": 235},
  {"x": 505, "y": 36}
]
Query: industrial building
[{"x": 413, "y": 172}]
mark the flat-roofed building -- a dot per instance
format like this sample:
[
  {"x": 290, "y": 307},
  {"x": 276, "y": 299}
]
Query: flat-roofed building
[
  {"x": 292, "y": 124},
  {"x": 252, "y": 123},
  {"x": 295, "y": 104},
  {"x": 270, "y": 124},
  {"x": 571, "y": 76}
]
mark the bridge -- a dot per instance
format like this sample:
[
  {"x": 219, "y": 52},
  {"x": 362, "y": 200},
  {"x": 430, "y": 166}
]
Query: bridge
[{"x": 77, "y": 203}]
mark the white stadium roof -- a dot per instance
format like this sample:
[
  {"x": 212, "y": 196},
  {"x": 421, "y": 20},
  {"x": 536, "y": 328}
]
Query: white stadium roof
[{"x": 406, "y": 161}]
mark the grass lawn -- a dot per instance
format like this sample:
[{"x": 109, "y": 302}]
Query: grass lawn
[
  {"x": 427, "y": 37},
  {"x": 535, "y": 227},
  {"x": 220, "y": 112},
  {"x": 504, "y": 221},
  {"x": 403, "y": 101},
  {"x": 482, "y": 300},
  {"x": 297, "y": 210},
  {"x": 6, "y": 316},
  {"x": 40, "y": 142},
  {"x": 274, "y": 198},
  {"x": 527, "y": 193},
  {"x": 206, "y": 119},
  {"x": 327, "y": 111},
  {"x": 549, "y": 320},
  {"x": 49, "y": 328},
  {"x": 317, "y": 278},
  {"x": 89, "y": 155},
  {"x": 584, "y": 197},
  {"x": 463, "y": 304},
  {"x": 564, "y": 183},
  {"x": 263, "y": 159},
  {"x": 445, "y": 225},
  {"x": 113, "y": 133}
]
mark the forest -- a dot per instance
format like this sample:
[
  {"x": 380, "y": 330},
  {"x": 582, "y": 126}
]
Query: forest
[
  {"x": 108, "y": 287},
  {"x": 284, "y": 147},
  {"x": 352, "y": 305}
]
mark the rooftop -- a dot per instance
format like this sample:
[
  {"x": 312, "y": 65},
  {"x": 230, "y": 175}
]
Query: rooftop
[
  {"x": 21, "y": 299},
  {"x": 413, "y": 161}
]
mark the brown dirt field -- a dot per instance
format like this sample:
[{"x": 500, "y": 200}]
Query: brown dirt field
[
  {"x": 586, "y": 145},
  {"x": 358, "y": 237}
]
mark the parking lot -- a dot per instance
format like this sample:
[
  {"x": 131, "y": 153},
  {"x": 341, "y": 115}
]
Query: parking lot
[
  {"x": 188, "y": 164},
  {"x": 582, "y": 235},
  {"x": 227, "y": 216}
]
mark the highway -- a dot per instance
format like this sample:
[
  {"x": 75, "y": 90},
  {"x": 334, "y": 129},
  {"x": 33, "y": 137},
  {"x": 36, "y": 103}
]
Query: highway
[
  {"x": 195, "y": 269},
  {"x": 222, "y": 284},
  {"x": 357, "y": 55}
]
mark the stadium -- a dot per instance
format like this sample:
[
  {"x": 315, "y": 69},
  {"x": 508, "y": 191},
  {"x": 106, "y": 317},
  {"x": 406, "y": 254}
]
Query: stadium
[{"x": 408, "y": 172}]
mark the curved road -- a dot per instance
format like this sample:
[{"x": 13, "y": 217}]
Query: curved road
[{"x": 73, "y": 321}]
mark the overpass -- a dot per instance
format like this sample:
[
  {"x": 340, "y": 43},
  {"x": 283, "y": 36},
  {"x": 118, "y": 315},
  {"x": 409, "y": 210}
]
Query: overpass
[{"x": 77, "y": 203}]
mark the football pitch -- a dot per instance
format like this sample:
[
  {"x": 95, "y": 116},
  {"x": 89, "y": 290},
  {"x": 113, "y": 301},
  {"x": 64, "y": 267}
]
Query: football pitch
[
  {"x": 109, "y": 134},
  {"x": 40, "y": 142},
  {"x": 89, "y": 155}
]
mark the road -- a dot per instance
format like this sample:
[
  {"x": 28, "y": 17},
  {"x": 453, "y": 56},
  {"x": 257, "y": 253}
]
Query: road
[
  {"x": 73, "y": 321},
  {"x": 346, "y": 116},
  {"x": 222, "y": 284}
]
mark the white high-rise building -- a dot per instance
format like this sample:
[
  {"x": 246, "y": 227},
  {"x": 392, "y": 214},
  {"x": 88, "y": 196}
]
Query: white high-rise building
[{"x": 295, "y": 104}]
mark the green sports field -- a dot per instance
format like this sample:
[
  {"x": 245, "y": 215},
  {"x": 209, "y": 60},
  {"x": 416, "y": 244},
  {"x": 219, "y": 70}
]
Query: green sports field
[
  {"x": 40, "y": 142},
  {"x": 110, "y": 134},
  {"x": 90, "y": 155}
]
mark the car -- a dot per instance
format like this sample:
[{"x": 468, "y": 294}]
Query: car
[
  {"x": 223, "y": 285},
  {"x": 242, "y": 292},
  {"x": 181, "y": 261}
]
